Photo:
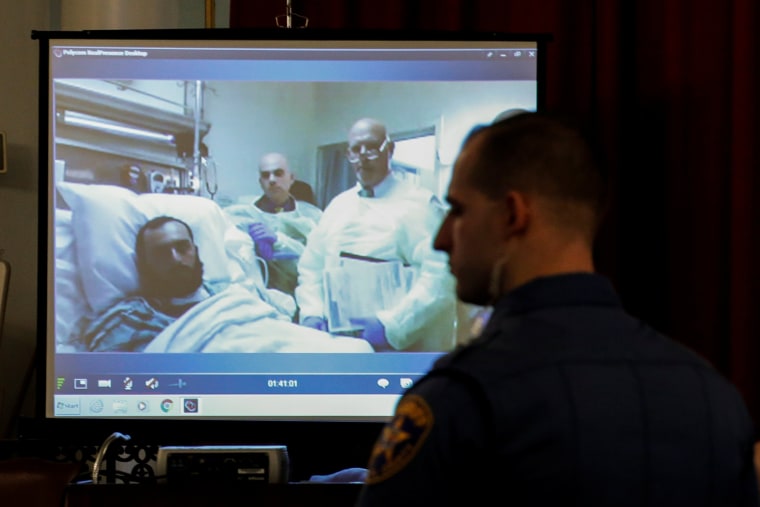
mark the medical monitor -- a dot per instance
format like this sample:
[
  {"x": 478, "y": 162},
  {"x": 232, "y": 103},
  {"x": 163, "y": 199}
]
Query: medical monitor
[{"x": 140, "y": 124}]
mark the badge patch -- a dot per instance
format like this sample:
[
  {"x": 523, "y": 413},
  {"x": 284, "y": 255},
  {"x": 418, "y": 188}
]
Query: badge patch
[{"x": 400, "y": 439}]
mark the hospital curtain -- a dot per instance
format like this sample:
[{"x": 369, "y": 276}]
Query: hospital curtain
[{"x": 674, "y": 87}]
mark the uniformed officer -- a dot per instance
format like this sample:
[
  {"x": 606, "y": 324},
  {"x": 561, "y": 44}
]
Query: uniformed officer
[{"x": 564, "y": 399}]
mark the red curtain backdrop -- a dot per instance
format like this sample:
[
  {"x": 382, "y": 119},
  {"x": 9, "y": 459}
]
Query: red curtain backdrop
[{"x": 673, "y": 86}]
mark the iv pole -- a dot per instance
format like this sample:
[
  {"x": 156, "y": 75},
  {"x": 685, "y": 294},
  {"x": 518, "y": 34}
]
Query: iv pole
[{"x": 196, "y": 132}]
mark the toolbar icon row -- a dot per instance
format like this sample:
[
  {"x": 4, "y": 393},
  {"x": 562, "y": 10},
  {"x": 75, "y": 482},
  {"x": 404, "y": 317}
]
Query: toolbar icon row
[
  {"x": 127, "y": 383},
  {"x": 404, "y": 382}
]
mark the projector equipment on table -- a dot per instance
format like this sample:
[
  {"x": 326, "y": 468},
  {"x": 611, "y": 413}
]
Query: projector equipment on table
[{"x": 258, "y": 463}]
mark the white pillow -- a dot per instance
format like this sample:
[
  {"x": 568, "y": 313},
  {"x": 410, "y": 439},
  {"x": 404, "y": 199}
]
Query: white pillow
[{"x": 105, "y": 220}]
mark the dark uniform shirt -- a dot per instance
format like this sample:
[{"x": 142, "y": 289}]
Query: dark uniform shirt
[
  {"x": 566, "y": 400},
  {"x": 264, "y": 204}
]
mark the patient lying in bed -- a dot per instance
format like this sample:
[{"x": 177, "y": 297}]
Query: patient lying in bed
[
  {"x": 174, "y": 305},
  {"x": 233, "y": 320}
]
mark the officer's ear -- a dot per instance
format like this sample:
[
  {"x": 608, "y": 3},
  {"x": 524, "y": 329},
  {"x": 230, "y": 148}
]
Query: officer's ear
[{"x": 517, "y": 212}]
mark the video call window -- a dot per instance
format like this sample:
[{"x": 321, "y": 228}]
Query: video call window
[{"x": 138, "y": 128}]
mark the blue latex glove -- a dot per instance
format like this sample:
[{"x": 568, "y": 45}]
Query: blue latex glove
[
  {"x": 263, "y": 237},
  {"x": 315, "y": 322},
  {"x": 373, "y": 331}
]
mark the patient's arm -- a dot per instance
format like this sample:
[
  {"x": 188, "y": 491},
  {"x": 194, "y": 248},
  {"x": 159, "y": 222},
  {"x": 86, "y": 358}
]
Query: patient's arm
[{"x": 128, "y": 326}]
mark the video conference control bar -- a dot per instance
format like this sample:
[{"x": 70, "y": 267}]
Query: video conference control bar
[{"x": 234, "y": 384}]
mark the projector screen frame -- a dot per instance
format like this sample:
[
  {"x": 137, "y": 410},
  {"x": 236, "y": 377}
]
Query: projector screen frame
[{"x": 301, "y": 433}]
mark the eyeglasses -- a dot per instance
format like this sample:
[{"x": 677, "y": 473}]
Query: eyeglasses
[{"x": 355, "y": 153}]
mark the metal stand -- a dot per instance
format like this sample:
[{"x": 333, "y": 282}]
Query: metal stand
[{"x": 288, "y": 17}]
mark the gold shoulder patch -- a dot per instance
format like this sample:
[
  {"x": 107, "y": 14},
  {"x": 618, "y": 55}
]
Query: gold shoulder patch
[{"x": 400, "y": 439}]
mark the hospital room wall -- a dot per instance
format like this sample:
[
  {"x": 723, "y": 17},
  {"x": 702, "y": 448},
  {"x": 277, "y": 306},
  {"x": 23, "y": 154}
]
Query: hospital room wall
[{"x": 249, "y": 119}]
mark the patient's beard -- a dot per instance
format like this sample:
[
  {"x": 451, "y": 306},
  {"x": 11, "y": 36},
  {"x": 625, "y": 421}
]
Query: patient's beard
[
  {"x": 496, "y": 279},
  {"x": 180, "y": 281}
]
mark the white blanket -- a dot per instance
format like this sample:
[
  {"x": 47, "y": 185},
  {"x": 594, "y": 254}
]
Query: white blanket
[{"x": 236, "y": 321}]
